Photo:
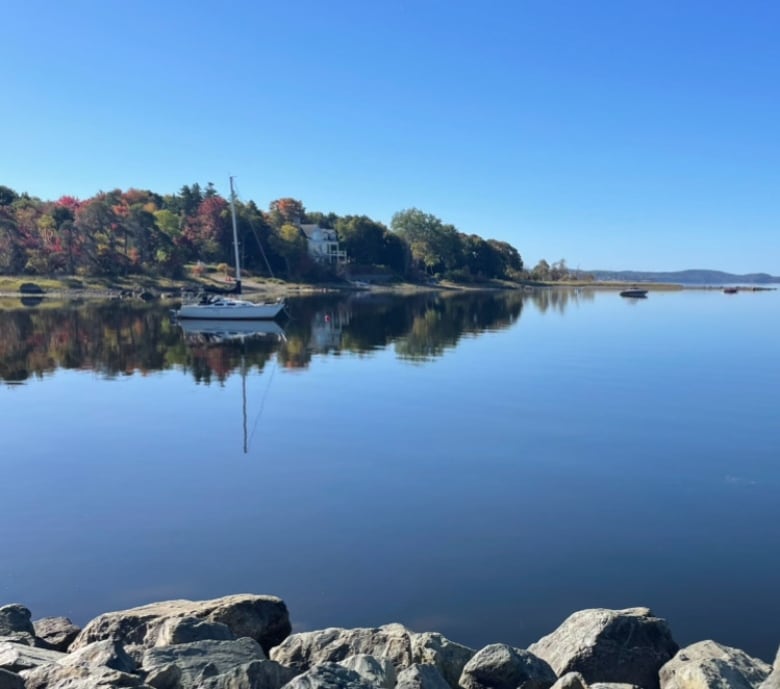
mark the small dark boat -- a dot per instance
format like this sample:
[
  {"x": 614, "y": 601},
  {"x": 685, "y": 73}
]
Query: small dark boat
[
  {"x": 634, "y": 293},
  {"x": 730, "y": 290}
]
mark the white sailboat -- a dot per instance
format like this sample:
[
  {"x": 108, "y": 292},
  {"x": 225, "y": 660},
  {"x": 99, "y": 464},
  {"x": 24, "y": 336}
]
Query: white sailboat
[{"x": 222, "y": 307}]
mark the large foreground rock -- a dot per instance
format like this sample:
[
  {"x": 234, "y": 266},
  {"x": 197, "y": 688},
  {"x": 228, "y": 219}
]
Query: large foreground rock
[
  {"x": 262, "y": 618},
  {"x": 500, "y": 666},
  {"x": 185, "y": 630},
  {"x": 625, "y": 646},
  {"x": 710, "y": 665},
  {"x": 203, "y": 659},
  {"x": 394, "y": 642},
  {"x": 57, "y": 633},
  {"x": 16, "y": 657},
  {"x": 56, "y": 676}
]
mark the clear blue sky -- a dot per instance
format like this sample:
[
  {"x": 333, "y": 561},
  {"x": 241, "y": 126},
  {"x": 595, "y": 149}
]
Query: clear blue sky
[{"x": 614, "y": 134}]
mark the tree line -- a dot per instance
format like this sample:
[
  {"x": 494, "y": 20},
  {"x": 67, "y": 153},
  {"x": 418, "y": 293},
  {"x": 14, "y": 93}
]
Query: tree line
[{"x": 121, "y": 233}]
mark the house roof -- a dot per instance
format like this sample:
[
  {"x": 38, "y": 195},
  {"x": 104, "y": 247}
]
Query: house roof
[{"x": 309, "y": 229}]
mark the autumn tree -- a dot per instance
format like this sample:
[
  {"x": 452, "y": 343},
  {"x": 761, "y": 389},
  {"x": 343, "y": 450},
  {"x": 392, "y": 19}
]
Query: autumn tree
[
  {"x": 208, "y": 229},
  {"x": 98, "y": 223},
  {"x": 286, "y": 211}
]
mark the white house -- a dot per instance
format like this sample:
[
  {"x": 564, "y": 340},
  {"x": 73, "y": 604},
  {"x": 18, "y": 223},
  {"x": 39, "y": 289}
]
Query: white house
[{"x": 323, "y": 244}]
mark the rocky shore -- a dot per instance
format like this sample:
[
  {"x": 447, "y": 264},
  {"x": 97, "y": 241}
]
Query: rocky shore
[{"x": 245, "y": 642}]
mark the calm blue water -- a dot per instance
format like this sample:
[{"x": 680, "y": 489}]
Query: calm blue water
[{"x": 477, "y": 465}]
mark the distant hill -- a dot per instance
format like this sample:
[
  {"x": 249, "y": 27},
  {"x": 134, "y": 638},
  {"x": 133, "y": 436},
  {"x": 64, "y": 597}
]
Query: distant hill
[{"x": 684, "y": 277}]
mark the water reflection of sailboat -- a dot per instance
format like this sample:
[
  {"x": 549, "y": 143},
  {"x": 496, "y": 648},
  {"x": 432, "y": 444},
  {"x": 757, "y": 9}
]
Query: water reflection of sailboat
[
  {"x": 218, "y": 331},
  {"x": 223, "y": 332}
]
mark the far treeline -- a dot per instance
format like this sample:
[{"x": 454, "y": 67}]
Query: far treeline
[{"x": 138, "y": 232}]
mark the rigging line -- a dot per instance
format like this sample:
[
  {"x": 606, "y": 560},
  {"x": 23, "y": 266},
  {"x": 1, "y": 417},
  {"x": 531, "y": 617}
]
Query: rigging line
[
  {"x": 262, "y": 400},
  {"x": 257, "y": 237},
  {"x": 262, "y": 250}
]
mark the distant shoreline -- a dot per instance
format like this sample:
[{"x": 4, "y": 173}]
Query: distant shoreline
[{"x": 151, "y": 289}]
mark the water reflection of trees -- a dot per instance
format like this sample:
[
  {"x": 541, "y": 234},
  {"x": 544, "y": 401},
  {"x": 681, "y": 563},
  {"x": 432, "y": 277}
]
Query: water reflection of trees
[
  {"x": 558, "y": 298},
  {"x": 113, "y": 339},
  {"x": 118, "y": 339},
  {"x": 108, "y": 338},
  {"x": 420, "y": 327}
]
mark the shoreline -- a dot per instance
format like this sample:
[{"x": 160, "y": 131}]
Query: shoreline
[
  {"x": 153, "y": 289},
  {"x": 247, "y": 640}
]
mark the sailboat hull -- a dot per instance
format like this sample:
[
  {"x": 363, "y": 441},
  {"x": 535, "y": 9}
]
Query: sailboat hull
[{"x": 232, "y": 310}]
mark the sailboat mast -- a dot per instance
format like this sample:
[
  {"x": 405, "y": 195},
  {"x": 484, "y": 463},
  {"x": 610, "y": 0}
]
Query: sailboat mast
[{"x": 235, "y": 236}]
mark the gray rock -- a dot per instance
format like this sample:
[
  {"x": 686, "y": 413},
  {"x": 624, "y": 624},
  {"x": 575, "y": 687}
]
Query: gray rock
[
  {"x": 379, "y": 671},
  {"x": 16, "y": 657},
  {"x": 259, "y": 674},
  {"x": 185, "y": 630},
  {"x": 613, "y": 685},
  {"x": 208, "y": 670},
  {"x": 500, "y": 666},
  {"x": 108, "y": 653},
  {"x": 57, "y": 633},
  {"x": 710, "y": 665},
  {"x": 56, "y": 676},
  {"x": 263, "y": 618},
  {"x": 165, "y": 677},
  {"x": 21, "y": 638},
  {"x": 430, "y": 648},
  {"x": 571, "y": 680},
  {"x": 329, "y": 676},
  {"x": 394, "y": 642},
  {"x": 421, "y": 677},
  {"x": 306, "y": 649},
  {"x": 624, "y": 646},
  {"x": 10, "y": 680},
  {"x": 15, "y": 618},
  {"x": 215, "y": 657},
  {"x": 773, "y": 681}
]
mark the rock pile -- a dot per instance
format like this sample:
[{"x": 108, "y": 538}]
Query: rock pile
[{"x": 245, "y": 642}]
